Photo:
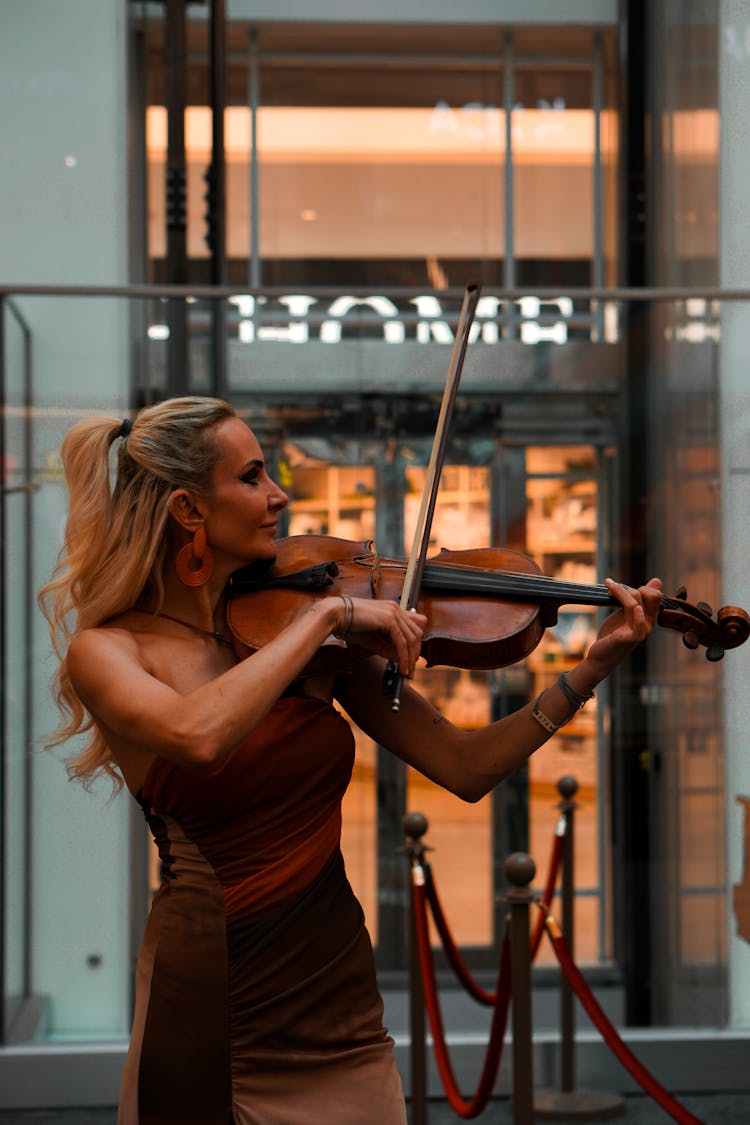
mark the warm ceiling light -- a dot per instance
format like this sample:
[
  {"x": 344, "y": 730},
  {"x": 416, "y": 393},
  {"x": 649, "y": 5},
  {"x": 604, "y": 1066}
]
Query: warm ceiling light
[{"x": 308, "y": 215}]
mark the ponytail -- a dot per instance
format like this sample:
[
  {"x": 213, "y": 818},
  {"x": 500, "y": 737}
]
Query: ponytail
[{"x": 115, "y": 540}]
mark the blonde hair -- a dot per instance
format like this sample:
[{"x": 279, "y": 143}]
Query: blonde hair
[{"x": 115, "y": 539}]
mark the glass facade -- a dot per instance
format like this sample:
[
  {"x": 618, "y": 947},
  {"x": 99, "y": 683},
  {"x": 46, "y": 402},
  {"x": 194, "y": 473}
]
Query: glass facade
[
  {"x": 349, "y": 162},
  {"x": 371, "y": 172}
]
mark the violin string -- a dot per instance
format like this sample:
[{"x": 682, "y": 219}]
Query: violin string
[
  {"x": 523, "y": 586},
  {"x": 685, "y": 607},
  {"x": 539, "y": 585},
  {"x": 517, "y": 583}
]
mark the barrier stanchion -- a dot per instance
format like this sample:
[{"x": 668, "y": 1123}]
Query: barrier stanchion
[
  {"x": 611, "y": 1037},
  {"x": 570, "y": 1103},
  {"x": 425, "y": 997},
  {"x": 514, "y": 978},
  {"x": 519, "y": 870},
  {"x": 415, "y": 825},
  {"x": 424, "y": 898}
]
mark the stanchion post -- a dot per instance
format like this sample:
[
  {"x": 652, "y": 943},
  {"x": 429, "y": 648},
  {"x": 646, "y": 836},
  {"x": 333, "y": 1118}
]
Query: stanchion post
[
  {"x": 570, "y": 1104},
  {"x": 567, "y": 787},
  {"x": 520, "y": 869},
  {"x": 415, "y": 826}
]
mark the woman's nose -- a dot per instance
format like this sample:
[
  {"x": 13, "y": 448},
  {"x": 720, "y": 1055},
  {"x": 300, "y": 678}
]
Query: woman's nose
[{"x": 279, "y": 499}]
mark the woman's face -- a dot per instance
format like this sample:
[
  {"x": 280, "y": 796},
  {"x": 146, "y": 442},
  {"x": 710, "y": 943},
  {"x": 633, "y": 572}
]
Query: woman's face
[{"x": 241, "y": 519}]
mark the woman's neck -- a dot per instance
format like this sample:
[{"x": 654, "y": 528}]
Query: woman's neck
[{"x": 202, "y": 606}]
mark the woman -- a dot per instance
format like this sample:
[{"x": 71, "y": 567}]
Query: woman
[{"x": 256, "y": 1000}]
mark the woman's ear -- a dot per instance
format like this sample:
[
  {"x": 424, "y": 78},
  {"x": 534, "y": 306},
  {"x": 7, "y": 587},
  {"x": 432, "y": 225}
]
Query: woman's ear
[{"x": 185, "y": 509}]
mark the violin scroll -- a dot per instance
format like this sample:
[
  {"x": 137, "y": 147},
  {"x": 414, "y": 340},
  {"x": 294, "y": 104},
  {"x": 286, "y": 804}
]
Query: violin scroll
[{"x": 729, "y": 629}]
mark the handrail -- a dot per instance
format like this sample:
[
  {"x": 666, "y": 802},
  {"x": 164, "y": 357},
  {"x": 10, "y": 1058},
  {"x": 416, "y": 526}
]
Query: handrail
[
  {"x": 19, "y": 318},
  {"x": 219, "y": 292}
]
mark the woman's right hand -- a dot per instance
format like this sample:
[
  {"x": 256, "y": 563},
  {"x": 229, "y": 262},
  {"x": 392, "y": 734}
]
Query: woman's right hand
[{"x": 382, "y": 627}]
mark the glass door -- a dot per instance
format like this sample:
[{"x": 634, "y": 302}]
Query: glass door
[
  {"x": 561, "y": 512},
  {"x": 564, "y": 493},
  {"x": 339, "y": 500}
]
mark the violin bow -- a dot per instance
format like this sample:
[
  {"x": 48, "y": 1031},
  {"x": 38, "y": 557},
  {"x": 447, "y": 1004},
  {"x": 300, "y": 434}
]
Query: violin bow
[{"x": 393, "y": 679}]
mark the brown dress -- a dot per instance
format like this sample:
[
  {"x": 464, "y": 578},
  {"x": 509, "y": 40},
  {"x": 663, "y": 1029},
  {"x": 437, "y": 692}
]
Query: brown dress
[{"x": 256, "y": 999}]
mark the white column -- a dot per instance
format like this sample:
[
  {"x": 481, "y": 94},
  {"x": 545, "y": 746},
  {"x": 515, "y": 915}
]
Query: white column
[
  {"x": 63, "y": 221},
  {"x": 734, "y": 98}
]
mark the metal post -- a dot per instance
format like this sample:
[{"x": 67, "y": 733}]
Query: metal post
[
  {"x": 3, "y": 682},
  {"x": 569, "y": 1103},
  {"x": 567, "y": 787},
  {"x": 217, "y": 198},
  {"x": 30, "y": 486},
  {"x": 520, "y": 869},
  {"x": 632, "y": 789},
  {"x": 254, "y": 103},
  {"x": 176, "y": 83},
  {"x": 509, "y": 254},
  {"x": 415, "y": 826}
]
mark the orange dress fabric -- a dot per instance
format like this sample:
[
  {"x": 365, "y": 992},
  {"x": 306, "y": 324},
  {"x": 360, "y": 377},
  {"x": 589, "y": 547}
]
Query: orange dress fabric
[{"x": 256, "y": 1001}]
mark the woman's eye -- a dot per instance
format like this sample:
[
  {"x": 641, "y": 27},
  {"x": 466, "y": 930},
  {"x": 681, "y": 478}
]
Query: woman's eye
[{"x": 251, "y": 477}]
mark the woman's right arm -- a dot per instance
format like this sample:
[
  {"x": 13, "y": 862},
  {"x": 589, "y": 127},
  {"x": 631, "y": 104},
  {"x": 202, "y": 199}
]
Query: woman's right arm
[{"x": 204, "y": 724}]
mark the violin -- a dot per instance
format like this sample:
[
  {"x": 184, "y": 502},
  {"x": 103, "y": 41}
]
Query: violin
[{"x": 485, "y": 608}]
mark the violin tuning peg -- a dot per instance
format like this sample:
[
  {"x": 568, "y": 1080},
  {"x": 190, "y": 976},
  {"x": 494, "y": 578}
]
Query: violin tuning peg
[
  {"x": 704, "y": 607},
  {"x": 714, "y": 652},
  {"x": 681, "y": 593},
  {"x": 690, "y": 639}
]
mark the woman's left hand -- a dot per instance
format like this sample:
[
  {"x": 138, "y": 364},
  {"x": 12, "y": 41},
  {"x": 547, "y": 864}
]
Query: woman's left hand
[{"x": 624, "y": 629}]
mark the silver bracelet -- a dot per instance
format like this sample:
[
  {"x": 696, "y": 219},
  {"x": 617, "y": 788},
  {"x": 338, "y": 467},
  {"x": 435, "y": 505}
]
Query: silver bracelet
[
  {"x": 348, "y": 615},
  {"x": 575, "y": 698},
  {"x": 544, "y": 720}
]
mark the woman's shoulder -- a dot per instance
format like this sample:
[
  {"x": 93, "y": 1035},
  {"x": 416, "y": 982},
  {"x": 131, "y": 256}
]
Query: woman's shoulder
[
  {"x": 102, "y": 644},
  {"x": 103, "y": 663},
  {"x": 117, "y": 631}
]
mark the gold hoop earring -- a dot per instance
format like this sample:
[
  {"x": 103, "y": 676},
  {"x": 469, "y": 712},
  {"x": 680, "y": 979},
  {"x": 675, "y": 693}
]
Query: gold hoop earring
[{"x": 195, "y": 561}]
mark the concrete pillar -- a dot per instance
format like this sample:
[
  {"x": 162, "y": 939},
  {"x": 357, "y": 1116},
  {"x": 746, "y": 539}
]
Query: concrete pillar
[{"x": 734, "y": 97}]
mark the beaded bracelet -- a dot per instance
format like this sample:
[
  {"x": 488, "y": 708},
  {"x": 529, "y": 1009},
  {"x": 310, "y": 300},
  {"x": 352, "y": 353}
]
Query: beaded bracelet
[{"x": 575, "y": 698}]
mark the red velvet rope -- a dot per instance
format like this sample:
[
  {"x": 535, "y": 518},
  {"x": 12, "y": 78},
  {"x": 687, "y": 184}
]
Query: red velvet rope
[
  {"x": 424, "y": 892},
  {"x": 491, "y": 1066},
  {"x": 452, "y": 952},
  {"x": 668, "y": 1103},
  {"x": 459, "y": 966},
  {"x": 555, "y": 860}
]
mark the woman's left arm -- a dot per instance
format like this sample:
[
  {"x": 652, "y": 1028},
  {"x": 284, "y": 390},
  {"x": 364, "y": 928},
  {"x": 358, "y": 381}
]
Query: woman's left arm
[{"x": 471, "y": 763}]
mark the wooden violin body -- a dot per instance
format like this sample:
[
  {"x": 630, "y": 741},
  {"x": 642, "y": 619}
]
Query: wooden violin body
[{"x": 485, "y": 608}]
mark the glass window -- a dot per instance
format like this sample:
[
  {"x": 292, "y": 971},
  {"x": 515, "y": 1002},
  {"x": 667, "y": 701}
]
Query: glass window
[
  {"x": 563, "y": 159},
  {"x": 338, "y": 500},
  {"x": 562, "y": 518},
  {"x": 18, "y": 484},
  {"x": 461, "y": 834},
  {"x": 346, "y": 164}
]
